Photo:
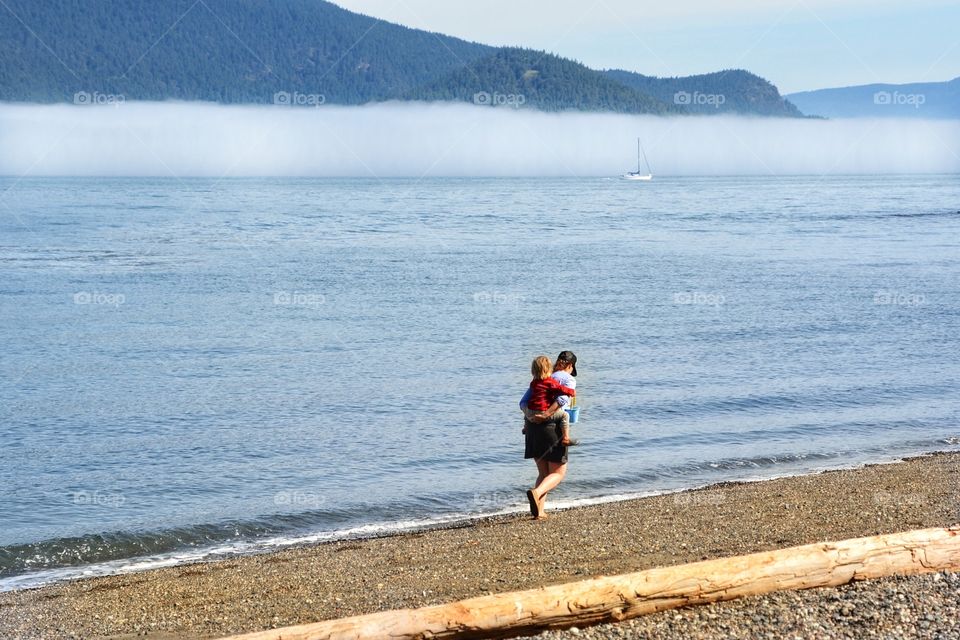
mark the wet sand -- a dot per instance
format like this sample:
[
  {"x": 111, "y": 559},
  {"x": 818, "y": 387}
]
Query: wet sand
[{"x": 337, "y": 579}]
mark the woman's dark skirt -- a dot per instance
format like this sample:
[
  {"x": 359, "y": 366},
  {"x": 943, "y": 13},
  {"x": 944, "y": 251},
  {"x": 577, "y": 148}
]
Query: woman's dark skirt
[{"x": 543, "y": 442}]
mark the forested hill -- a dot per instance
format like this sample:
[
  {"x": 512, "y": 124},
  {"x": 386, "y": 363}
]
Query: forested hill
[
  {"x": 730, "y": 91},
  {"x": 307, "y": 51},
  {"x": 523, "y": 77},
  {"x": 231, "y": 51}
]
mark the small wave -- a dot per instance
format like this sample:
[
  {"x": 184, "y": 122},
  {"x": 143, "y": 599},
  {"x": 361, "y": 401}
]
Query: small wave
[
  {"x": 200, "y": 553},
  {"x": 833, "y": 398},
  {"x": 35, "y": 565},
  {"x": 883, "y": 215},
  {"x": 925, "y": 214},
  {"x": 788, "y": 432}
]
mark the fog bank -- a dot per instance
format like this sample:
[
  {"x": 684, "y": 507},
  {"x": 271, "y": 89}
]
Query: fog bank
[{"x": 442, "y": 139}]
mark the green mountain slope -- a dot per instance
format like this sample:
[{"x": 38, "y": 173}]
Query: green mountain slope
[
  {"x": 310, "y": 52},
  {"x": 220, "y": 50},
  {"x": 527, "y": 78},
  {"x": 731, "y": 91}
]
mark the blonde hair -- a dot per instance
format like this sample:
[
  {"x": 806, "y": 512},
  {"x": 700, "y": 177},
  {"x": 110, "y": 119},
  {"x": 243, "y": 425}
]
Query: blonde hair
[{"x": 541, "y": 368}]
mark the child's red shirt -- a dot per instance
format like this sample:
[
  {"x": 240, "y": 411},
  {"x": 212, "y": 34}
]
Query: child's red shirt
[{"x": 544, "y": 392}]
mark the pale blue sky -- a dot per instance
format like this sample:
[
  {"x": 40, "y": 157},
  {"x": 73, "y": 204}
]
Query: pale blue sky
[{"x": 797, "y": 45}]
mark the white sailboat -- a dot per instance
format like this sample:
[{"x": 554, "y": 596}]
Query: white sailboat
[{"x": 636, "y": 175}]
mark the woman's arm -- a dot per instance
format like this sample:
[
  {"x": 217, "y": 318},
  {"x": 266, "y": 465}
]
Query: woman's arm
[
  {"x": 525, "y": 400},
  {"x": 566, "y": 391},
  {"x": 558, "y": 388},
  {"x": 552, "y": 409}
]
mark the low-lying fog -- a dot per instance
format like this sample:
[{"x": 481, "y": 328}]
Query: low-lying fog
[{"x": 442, "y": 139}]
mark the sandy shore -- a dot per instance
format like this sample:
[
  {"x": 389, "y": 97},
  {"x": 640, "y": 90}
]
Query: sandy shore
[{"x": 500, "y": 554}]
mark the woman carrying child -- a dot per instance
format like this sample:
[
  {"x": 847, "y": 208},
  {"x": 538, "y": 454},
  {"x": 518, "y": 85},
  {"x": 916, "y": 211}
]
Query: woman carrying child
[{"x": 546, "y": 424}]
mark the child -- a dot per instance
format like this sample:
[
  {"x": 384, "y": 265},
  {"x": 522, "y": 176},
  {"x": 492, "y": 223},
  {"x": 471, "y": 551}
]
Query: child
[
  {"x": 541, "y": 398},
  {"x": 564, "y": 372}
]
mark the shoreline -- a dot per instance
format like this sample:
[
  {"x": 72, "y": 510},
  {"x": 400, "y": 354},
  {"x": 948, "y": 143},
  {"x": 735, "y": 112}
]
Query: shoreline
[
  {"x": 46, "y": 578},
  {"x": 490, "y": 554}
]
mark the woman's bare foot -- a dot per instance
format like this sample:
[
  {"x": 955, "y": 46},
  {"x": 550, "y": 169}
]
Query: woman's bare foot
[
  {"x": 541, "y": 509},
  {"x": 534, "y": 503}
]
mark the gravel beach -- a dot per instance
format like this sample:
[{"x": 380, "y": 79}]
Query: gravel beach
[
  {"x": 346, "y": 578},
  {"x": 896, "y": 608}
]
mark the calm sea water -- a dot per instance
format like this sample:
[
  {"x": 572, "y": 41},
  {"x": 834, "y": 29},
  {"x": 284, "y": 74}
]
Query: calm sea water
[{"x": 198, "y": 367}]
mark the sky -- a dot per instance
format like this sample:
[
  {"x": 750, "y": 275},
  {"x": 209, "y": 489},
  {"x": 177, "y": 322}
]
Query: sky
[{"x": 798, "y": 45}]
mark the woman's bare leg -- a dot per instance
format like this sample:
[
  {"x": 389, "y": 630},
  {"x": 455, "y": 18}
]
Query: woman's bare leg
[
  {"x": 542, "y": 471},
  {"x": 556, "y": 471}
]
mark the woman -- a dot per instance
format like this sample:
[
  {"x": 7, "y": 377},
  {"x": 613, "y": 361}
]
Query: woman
[{"x": 543, "y": 439}]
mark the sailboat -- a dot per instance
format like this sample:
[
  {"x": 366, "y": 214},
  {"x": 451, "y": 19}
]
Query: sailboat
[{"x": 636, "y": 175}]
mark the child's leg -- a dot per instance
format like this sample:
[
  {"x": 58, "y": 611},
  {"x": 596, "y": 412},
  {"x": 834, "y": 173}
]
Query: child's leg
[
  {"x": 529, "y": 417},
  {"x": 563, "y": 419}
]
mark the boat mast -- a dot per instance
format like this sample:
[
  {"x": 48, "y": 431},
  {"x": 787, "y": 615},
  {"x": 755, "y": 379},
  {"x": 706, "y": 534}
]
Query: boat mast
[{"x": 647, "y": 164}]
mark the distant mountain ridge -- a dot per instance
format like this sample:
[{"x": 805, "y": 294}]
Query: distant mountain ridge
[
  {"x": 313, "y": 52},
  {"x": 914, "y": 100}
]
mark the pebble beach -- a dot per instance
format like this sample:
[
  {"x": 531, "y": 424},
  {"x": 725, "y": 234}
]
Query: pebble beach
[{"x": 508, "y": 553}]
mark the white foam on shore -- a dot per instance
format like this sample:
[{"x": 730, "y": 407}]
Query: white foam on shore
[{"x": 376, "y": 530}]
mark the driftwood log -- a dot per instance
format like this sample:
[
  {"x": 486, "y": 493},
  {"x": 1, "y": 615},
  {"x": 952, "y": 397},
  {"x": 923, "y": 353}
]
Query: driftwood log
[{"x": 614, "y": 598}]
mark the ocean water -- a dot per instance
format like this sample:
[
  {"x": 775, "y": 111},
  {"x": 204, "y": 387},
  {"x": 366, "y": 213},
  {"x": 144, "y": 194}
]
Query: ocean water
[{"x": 199, "y": 367}]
